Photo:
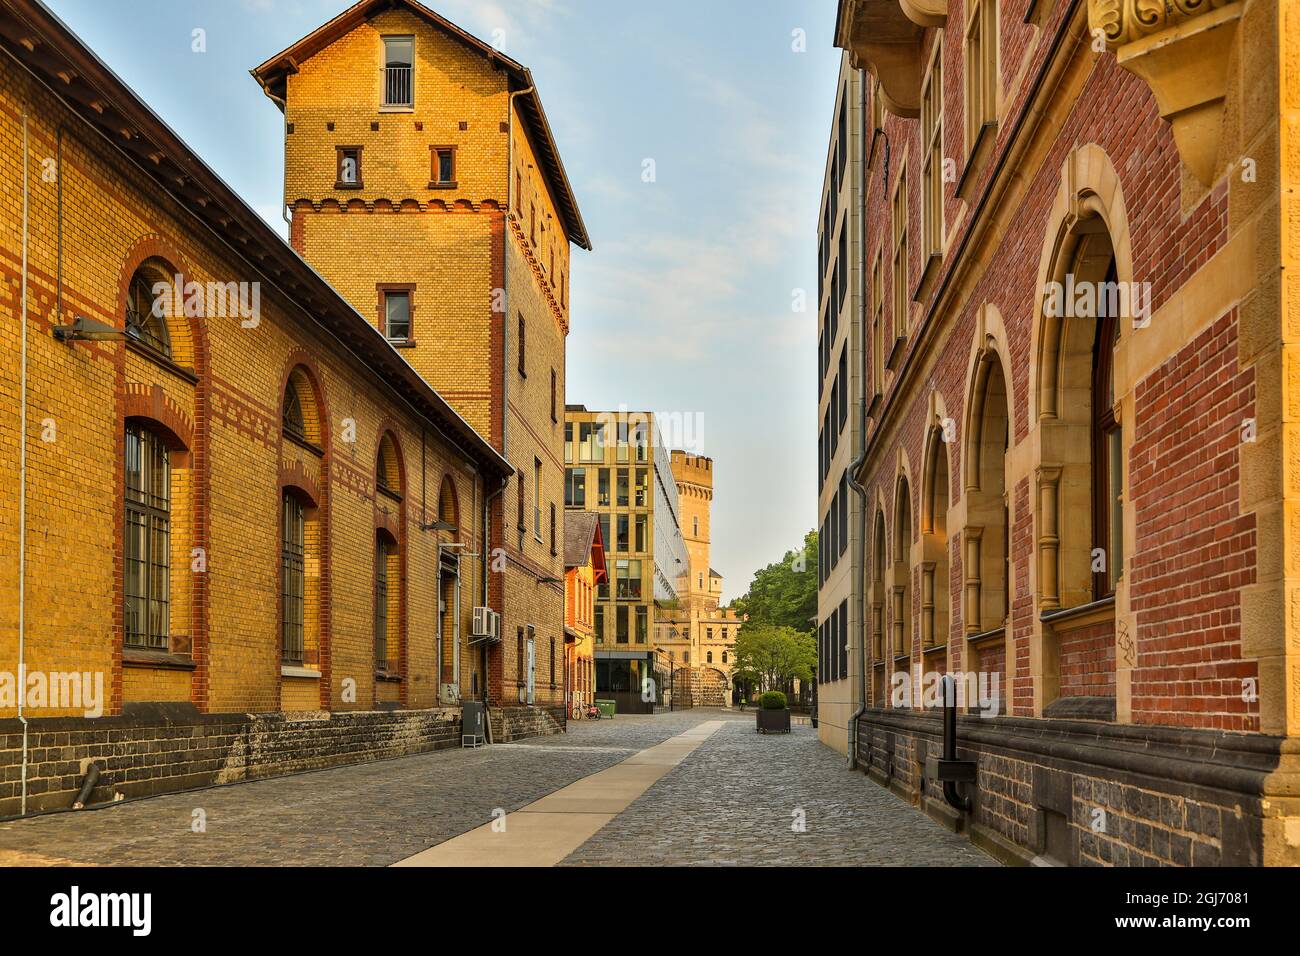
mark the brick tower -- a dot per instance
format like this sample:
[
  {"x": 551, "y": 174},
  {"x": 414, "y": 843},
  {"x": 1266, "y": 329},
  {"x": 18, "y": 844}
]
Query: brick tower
[{"x": 426, "y": 186}]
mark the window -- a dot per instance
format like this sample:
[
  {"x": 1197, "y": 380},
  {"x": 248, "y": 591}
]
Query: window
[
  {"x": 523, "y": 357},
  {"x": 623, "y": 496},
  {"x": 599, "y": 625},
  {"x": 399, "y": 62},
  {"x": 639, "y": 542},
  {"x": 1107, "y": 450},
  {"x": 385, "y": 580},
  {"x": 900, "y": 255},
  {"x": 575, "y": 488},
  {"x": 537, "y": 498},
  {"x": 878, "y": 324},
  {"x": 981, "y": 69},
  {"x": 395, "y": 313},
  {"x": 442, "y": 162},
  {"x": 932, "y": 145},
  {"x": 642, "y": 624},
  {"x": 709, "y": 657},
  {"x": 147, "y": 545},
  {"x": 621, "y": 541},
  {"x": 602, "y": 490},
  {"x": 724, "y": 657},
  {"x": 293, "y": 547},
  {"x": 532, "y": 222},
  {"x": 348, "y": 162},
  {"x": 146, "y": 313},
  {"x": 695, "y": 524},
  {"x": 621, "y": 617},
  {"x": 642, "y": 487},
  {"x": 292, "y": 418},
  {"x": 568, "y": 442}
]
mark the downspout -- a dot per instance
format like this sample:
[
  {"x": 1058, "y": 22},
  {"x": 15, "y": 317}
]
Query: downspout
[
  {"x": 22, "y": 480},
  {"x": 858, "y": 567},
  {"x": 486, "y": 560}
]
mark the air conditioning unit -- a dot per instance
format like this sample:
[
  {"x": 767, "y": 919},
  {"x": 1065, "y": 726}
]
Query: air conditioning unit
[{"x": 487, "y": 624}]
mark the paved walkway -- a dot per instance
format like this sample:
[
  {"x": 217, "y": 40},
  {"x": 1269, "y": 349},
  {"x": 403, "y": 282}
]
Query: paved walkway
[{"x": 694, "y": 787}]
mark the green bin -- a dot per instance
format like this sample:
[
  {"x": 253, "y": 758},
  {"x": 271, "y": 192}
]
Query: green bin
[{"x": 606, "y": 708}]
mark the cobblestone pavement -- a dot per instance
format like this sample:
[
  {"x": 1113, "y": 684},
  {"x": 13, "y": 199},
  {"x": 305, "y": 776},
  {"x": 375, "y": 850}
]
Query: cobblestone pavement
[
  {"x": 733, "y": 802},
  {"x": 361, "y": 815},
  {"x": 735, "y": 793}
]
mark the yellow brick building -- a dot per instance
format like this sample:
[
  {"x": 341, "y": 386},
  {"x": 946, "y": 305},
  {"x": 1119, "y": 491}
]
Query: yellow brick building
[
  {"x": 235, "y": 507},
  {"x": 406, "y": 134}
]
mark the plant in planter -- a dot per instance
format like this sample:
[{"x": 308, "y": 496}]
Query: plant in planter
[{"x": 772, "y": 716}]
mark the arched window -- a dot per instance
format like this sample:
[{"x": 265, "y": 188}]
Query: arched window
[
  {"x": 902, "y": 592},
  {"x": 986, "y": 535},
  {"x": 293, "y": 420},
  {"x": 709, "y": 657},
  {"x": 448, "y": 506},
  {"x": 724, "y": 657},
  {"x": 147, "y": 312},
  {"x": 146, "y": 551},
  {"x": 935, "y": 593},
  {"x": 387, "y": 578},
  {"x": 878, "y": 551},
  {"x": 1107, "y": 450},
  {"x": 388, "y": 471},
  {"x": 293, "y": 590}
]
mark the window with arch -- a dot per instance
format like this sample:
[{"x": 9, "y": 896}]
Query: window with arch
[
  {"x": 147, "y": 312},
  {"x": 878, "y": 590},
  {"x": 902, "y": 592},
  {"x": 987, "y": 532},
  {"x": 935, "y": 596},
  {"x": 709, "y": 657},
  {"x": 1107, "y": 449},
  {"x": 293, "y": 589},
  {"x": 387, "y": 598},
  {"x": 146, "y": 551},
  {"x": 388, "y": 471},
  {"x": 448, "y": 506},
  {"x": 299, "y": 415}
]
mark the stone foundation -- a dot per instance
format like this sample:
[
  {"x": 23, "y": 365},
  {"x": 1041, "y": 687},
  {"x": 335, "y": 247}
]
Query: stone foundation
[
  {"x": 164, "y": 749},
  {"x": 1091, "y": 793}
]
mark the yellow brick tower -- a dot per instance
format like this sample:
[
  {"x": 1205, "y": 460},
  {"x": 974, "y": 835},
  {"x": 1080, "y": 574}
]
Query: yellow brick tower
[{"x": 426, "y": 186}]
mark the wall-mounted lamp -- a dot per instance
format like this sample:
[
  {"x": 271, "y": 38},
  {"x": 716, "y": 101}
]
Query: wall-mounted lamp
[{"x": 87, "y": 330}]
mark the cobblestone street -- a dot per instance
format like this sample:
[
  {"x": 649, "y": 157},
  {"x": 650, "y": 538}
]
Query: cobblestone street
[{"x": 731, "y": 801}]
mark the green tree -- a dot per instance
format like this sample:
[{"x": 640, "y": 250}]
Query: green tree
[
  {"x": 774, "y": 657},
  {"x": 784, "y": 594}
]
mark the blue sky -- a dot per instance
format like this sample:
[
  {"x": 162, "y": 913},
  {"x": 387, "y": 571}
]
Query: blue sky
[{"x": 696, "y": 269}]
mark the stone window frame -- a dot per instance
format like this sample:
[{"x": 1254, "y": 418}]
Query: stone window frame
[{"x": 382, "y": 291}]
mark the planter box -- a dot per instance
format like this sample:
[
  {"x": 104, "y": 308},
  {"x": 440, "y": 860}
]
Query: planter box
[{"x": 772, "y": 721}]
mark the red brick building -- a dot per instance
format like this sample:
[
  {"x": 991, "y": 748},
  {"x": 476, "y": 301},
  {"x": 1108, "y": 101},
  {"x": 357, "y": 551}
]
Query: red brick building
[{"x": 1075, "y": 454}]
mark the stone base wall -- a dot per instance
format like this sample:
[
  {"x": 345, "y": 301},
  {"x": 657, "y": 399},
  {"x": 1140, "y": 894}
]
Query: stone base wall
[
  {"x": 1091, "y": 793},
  {"x": 520, "y": 723},
  {"x": 164, "y": 749}
]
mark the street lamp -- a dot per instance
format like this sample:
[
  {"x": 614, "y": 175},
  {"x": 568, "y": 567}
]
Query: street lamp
[{"x": 83, "y": 329}]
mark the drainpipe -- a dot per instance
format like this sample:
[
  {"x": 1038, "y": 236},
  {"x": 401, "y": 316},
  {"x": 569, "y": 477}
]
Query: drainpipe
[
  {"x": 486, "y": 559},
  {"x": 22, "y": 479},
  {"x": 859, "y": 548}
]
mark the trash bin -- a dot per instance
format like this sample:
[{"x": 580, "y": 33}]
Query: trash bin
[{"x": 606, "y": 708}]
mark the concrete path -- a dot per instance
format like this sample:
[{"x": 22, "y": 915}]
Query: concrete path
[{"x": 548, "y": 830}]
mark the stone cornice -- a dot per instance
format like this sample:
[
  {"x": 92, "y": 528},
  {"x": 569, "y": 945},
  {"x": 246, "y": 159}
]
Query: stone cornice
[{"x": 1181, "y": 48}]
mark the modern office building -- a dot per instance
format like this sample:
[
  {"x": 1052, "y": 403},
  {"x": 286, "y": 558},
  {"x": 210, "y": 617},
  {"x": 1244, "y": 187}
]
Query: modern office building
[{"x": 618, "y": 468}]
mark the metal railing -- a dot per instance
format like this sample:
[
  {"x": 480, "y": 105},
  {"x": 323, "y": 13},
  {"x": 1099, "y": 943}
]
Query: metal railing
[{"x": 397, "y": 86}]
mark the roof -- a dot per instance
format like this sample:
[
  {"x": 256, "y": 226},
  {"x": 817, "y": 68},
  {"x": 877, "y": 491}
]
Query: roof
[
  {"x": 43, "y": 44},
  {"x": 274, "y": 72},
  {"x": 714, "y": 574},
  {"x": 583, "y": 542}
]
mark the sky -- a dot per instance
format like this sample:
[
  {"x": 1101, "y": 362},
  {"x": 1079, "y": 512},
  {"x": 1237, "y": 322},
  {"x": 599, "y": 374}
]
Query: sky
[{"x": 686, "y": 304}]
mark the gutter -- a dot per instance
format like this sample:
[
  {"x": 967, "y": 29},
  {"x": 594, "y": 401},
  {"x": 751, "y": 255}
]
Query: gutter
[
  {"x": 22, "y": 475},
  {"x": 858, "y": 564}
]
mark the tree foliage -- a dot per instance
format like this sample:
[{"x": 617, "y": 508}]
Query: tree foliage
[
  {"x": 772, "y": 657},
  {"x": 784, "y": 594}
]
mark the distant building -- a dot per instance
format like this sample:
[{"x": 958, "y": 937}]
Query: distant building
[
  {"x": 584, "y": 572},
  {"x": 617, "y": 467},
  {"x": 695, "y": 632}
]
